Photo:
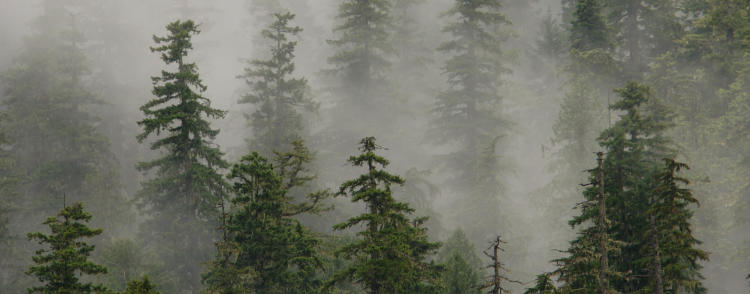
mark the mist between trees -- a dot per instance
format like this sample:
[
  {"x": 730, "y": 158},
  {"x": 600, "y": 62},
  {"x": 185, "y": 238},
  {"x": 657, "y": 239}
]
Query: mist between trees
[{"x": 374, "y": 146}]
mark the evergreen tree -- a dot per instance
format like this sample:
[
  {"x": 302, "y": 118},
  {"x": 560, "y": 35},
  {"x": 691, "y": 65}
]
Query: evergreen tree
[
  {"x": 143, "y": 286},
  {"x": 363, "y": 49},
  {"x": 184, "y": 195},
  {"x": 389, "y": 256},
  {"x": 275, "y": 249},
  {"x": 589, "y": 27},
  {"x": 461, "y": 265},
  {"x": 264, "y": 248},
  {"x": 419, "y": 192},
  {"x": 542, "y": 285},
  {"x": 60, "y": 266},
  {"x": 467, "y": 112},
  {"x": 54, "y": 143},
  {"x": 633, "y": 146},
  {"x": 591, "y": 45},
  {"x": 644, "y": 29},
  {"x": 674, "y": 258},
  {"x": 578, "y": 124},
  {"x": 56, "y": 146},
  {"x": 276, "y": 95}
]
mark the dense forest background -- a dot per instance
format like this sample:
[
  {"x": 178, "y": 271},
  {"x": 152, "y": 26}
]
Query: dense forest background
[{"x": 290, "y": 146}]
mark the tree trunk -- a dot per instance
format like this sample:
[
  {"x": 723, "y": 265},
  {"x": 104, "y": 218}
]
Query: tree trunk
[
  {"x": 657, "y": 258},
  {"x": 601, "y": 206}
]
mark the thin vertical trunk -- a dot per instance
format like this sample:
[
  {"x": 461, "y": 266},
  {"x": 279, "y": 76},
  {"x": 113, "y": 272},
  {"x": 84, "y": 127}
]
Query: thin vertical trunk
[
  {"x": 496, "y": 289},
  {"x": 601, "y": 206},
  {"x": 657, "y": 258}
]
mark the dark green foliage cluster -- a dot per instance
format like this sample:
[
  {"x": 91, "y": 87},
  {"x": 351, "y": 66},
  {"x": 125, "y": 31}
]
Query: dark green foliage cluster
[
  {"x": 143, "y": 286},
  {"x": 390, "y": 253},
  {"x": 273, "y": 252},
  {"x": 60, "y": 266},
  {"x": 635, "y": 189}
]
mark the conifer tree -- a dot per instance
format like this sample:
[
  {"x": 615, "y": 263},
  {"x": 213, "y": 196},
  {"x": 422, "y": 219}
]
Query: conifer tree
[
  {"x": 184, "y": 195},
  {"x": 589, "y": 27},
  {"x": 362, "y": 49},
  {"x": 466, "y": 112},
  {"x": 143, "y": 286},
  {"x": 591, "y": 44},
  {"x": 61, "y": 265},
  {"x": 275, "y": 93},
  {"x": 674, "y": 257},
  {"x": 461, "y": 274},
  {"x": 633, "y": 146},
  {"x": 56, "y": 146},
  {"x": 542, "y": 285},
  {"x": 644, "y": 30},
  {"x": 267, "y": 251},
  {"x": 276, "y": 248},
  {"x": 54, "y": 140},
  {"x": 390, "y": 253}
]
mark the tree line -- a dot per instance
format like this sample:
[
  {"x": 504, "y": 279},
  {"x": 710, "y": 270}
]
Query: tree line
[{"x": 213, "y": 226}]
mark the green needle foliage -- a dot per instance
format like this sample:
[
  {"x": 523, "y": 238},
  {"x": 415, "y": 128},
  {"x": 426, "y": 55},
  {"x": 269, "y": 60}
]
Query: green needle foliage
[
  {"x": 184, "y": 195},
  {"x": 542, "y": 285},
  {"x": 143, "y": 286},
  {"x": 679, "y": 257},
  {"x": 61, "y": 265},
  {"x": 589, "y": 27},
  {"x": 275, "y": 94},
  {"x": 462, "y": 267},
  {"x": 389, "y": 256},
  {"x": 635, "y": 191},
  {"x": 270, "y": 250}
]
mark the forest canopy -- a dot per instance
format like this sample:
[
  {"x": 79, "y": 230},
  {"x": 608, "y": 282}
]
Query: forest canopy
[{"x": 375, "y": 146}]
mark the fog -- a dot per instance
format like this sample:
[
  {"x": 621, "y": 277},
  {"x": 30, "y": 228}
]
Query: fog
[{"x": 539, "y": 183}]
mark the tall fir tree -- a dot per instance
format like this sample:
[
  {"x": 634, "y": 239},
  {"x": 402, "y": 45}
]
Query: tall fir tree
[
  {"x": 61, "y": 265},
  {"x": 390, "y": 253},
  {"x": 276, "y": 95},
  {"x": 183, "y": 197},
  {"x": 468, "y": 111},
  {"x": 362, "y": 50},
  {"x": 674, "y": 257},
  {"x": 633, "y": 147}
]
